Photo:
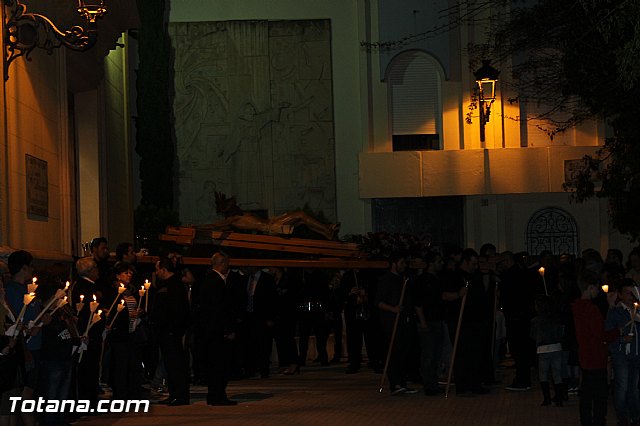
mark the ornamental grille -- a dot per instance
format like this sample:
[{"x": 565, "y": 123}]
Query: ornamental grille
[{"x": 552, "y": 229}]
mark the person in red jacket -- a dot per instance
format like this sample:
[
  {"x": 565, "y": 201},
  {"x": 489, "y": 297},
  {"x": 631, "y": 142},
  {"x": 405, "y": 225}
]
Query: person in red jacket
[{"x": 592, "y": 350}]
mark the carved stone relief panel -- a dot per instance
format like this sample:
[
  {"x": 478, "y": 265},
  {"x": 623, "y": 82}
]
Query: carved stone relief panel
[{"x": 254, "y": 116}]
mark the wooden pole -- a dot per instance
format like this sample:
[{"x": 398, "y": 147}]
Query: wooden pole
[
  {"x": 455, "y": 341},
  {"x": 393, "y": 335}
]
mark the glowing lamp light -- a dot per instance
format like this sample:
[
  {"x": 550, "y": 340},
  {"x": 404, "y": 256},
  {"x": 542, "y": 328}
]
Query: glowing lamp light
[
  {"x": 92, "y": 9},
  {"x": 486, "y": 77}
]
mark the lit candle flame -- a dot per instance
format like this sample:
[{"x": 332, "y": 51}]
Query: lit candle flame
[
  {"x": 605, "y": 288},
  {"x": 541, "y": 270},
  {"x": 81, "y": 298},
  {"x": 31, "y": 288}
]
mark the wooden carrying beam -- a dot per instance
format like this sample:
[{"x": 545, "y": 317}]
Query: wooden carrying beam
[
  {"x": 181, "y": 230},
  {"x": 270, "y": 239},
  {"x": 184, "y": 236}
]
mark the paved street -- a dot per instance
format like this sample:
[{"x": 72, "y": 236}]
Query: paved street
[{"x": 327, "y": 396}]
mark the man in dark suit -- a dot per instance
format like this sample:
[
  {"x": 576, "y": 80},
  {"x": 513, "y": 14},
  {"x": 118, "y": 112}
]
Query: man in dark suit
[
  {"x": 217, "y": 319},
  {"x": 258, "y": 305},
  {"x": 170, "y": 318}
]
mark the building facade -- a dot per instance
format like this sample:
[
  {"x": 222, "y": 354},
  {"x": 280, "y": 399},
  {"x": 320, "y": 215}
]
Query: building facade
[
  {"x": 408, "y": 154},
  {"x": 279, "y": 104},
  {"x": 65, "y": 146}
]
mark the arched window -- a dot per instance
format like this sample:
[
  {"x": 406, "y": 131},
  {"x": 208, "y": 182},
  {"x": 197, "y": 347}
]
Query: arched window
[
  {"x": 552, "y": 229},
  {"x": 415, "y": 101}
]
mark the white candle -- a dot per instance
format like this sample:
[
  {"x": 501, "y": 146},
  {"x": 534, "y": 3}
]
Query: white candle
[
  {"x": 141, "y": 294},
  {"x": 147, "y": 284},
  {"x": 61, "y": 303},
  {"x": 120, "y": 307},
  {"x": 121, "y": 290},
  {"x": 93, "y": 319},
  {"x": 26, "y": 300},
  {"x": 93, "y": 305},
  {"x": 31, "y": 288},
  {"x": 544, "y": 282},
  {"x": 59, "y": 294},
  {"x": 80, "y": 304},
  {"x": 92, "y": 308}
]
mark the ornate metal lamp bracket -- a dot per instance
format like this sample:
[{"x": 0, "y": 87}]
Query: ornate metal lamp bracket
[{"x": 24, "y": 31}]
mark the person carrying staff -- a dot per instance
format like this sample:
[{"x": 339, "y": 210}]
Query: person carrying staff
[{"x": 390, "y": 292}]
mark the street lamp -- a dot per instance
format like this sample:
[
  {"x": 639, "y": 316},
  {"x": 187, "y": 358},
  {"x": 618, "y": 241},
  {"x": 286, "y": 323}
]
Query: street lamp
[
  {"x": 486, "y": 77},
  {"x": 25, "y": 31}
]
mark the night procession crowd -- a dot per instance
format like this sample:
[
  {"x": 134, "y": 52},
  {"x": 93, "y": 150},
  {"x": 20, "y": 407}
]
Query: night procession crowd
[{"x": 133, "y": 328}]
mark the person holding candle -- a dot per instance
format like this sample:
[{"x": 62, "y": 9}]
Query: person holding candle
[
  {"x": 11, "y": 356},
  {"x": 592, "y": 353},
  {"x": 21, "y": 270},
  {"x": 170, "y": 318},
  {"x": 625, "y": 354},
  {"x": 120, "y": 281},
  {"x": 88, "y": 372},
  {"x": 59, "y": 334},
  {"x": 125, "y": 362}
]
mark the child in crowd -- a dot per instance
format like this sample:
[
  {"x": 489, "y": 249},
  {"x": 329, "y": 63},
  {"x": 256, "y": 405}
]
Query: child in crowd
[{"x": 547, "y": 331}]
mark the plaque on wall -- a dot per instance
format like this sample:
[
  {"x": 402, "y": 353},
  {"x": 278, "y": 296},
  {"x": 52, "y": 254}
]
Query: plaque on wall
[
  {"x": 572, "y": 169},
  {"x": 37, "y": 186}
]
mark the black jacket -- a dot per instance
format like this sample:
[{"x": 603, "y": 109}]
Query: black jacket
[
  {"x": 170, "y": 310},
  {"x": 217, "y": 313}
]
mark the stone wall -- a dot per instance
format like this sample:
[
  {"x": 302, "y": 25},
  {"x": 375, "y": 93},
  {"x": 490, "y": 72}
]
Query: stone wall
[{"x": 254, "y": 116}]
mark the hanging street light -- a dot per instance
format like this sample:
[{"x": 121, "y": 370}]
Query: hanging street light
[{"x": 486, "y": 77}]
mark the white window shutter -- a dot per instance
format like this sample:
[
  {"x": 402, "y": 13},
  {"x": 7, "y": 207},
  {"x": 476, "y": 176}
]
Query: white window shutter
[{"x": 415, "y": 95}]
